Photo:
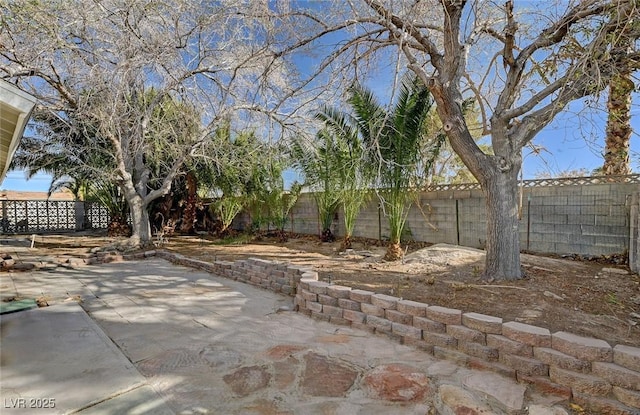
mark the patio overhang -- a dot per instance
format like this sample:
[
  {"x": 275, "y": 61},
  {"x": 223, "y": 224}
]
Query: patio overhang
[{"x": 16, "y": 107}]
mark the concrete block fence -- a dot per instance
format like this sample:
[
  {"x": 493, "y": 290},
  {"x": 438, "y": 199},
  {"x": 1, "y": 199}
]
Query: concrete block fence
[
  {"x": 585, "y": 219},
  {"x": 589, "y": 371}
]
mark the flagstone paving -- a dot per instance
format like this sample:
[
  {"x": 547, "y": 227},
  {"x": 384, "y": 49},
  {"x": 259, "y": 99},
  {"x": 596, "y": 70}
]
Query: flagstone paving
[{"x": 208, "y": 345}]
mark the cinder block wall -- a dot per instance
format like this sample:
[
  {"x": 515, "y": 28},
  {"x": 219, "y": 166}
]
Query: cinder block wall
[
  {"x": 586, "y": 219},
  {"x": 634, "y": 234}
]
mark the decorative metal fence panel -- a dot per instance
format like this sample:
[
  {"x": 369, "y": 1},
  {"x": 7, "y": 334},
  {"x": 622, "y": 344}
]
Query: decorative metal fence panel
[
  {"x": 38, "y": 216},
  {"x": 29, "y": 216},
  {"x": 96, "y": 216}
]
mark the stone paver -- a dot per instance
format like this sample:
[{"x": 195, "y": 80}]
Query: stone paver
[{"x": 211, "y": 345}]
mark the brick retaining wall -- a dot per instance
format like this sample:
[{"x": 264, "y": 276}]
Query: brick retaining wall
[
  {"x": 277, "y": 277},
  {"x": 588, "y": 371}
]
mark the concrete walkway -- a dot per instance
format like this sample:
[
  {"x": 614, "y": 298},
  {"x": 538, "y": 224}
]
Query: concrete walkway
[{"x": 170, "y": 339}]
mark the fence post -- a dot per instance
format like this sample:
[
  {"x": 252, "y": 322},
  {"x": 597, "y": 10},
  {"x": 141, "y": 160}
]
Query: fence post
[
  {"x": 379, "y": 222},
  {"x": 634, "y": 233},
  {"x": 5, "y": 219},
  {"x": 78, "y": 208},
  {"x": 457, "y": 224}
]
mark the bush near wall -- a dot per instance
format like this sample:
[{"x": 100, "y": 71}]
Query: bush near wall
[{"x": 586, "y": 216}]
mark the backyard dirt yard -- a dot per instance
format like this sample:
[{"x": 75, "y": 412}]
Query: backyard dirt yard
[{"x": 589, "y": 298}]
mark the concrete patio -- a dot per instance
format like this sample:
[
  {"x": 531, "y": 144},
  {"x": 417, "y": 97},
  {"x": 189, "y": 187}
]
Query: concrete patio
[{"x": 147, "y": 337}]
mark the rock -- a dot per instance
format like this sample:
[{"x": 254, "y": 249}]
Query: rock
[
  {"x": 508, "y": 394},
  {"x": 91, "y": 261},
  {"x": 397, "y": 383},
  {"x": 552, "y": 295},
  {"x": 283, "y": 351},
  {"x": 453, "y": 400},
  {"x": 42, "y": 302},
  {"x": 260, "y": 406},
  {"x": 324, "y": 377},
  {"x": 76, "y": 261},
  {"x": 527, "y": 315},
  {"x": 284, "y": 372},
  {"x": 24, "y": 266},
  {"x": 8, "y": 263},
  {"x": 247, "y": 380}
]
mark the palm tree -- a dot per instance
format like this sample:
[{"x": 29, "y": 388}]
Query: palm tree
[
  {"x": 319, "y": 163},
  {"x": 60, "y": 148},
  {"x": 621, "y": 87},
  {"x": 393, "y": 139},
  {"x": 234, "y": 173},
  {"x": 277, "y": 200},
  {"x": 618, "y": 137},
  {"x": 351, "y": 171}
]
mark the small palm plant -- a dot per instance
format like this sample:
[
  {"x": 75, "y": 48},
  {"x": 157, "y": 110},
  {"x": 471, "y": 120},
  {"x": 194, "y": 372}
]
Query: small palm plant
[
  {"x": 351, "y": 171},
  {"x": 277, "y": 200},
  {"x": 394, "y": 138},
  {"x": 319, "y": 163},
  {"x": 227, "y": 207}
]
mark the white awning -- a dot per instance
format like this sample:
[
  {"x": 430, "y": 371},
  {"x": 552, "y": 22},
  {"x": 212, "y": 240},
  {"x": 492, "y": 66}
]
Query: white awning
[{"x": 15, "y": 109}]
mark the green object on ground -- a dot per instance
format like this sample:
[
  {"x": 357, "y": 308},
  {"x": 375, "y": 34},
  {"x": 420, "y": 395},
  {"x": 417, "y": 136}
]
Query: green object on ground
[{"x": 18, "y": 305}]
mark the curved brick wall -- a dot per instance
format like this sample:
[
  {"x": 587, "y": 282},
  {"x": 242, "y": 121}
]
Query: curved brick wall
[{"x": 588, "y": 371}]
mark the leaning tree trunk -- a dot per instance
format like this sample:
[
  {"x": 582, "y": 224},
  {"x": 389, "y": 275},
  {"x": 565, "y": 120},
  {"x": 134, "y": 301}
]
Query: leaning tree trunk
[
  {"x": 498, "y": 176},
  {"x": 503, "y": 236},
  {"x": 616, "y": 153}
]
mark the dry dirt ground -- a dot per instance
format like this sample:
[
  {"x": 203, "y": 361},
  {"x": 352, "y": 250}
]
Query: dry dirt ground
[{"x": 583, "y": 297}]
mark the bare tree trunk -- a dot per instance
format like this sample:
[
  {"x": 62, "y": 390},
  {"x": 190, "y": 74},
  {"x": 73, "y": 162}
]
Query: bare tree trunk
[
  {"x": 498, "y": 176},
  {"x": 503, "y": 237},
  {"x": 140, "y": 225},
  {"x": 190, "y": 204}
]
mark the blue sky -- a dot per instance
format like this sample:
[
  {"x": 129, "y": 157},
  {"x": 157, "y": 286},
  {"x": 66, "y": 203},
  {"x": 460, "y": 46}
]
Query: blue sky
[{"x": 15, "y": 180}]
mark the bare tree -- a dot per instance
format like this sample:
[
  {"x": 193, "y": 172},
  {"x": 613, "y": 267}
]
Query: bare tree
[
  {"x": 523, "y": 65},
  {"x": 121, "y": 65}
]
